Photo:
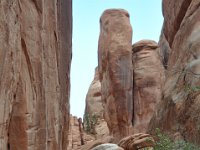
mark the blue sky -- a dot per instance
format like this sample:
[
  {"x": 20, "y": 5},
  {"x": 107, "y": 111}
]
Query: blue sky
[{"x": 146, "y": 20}]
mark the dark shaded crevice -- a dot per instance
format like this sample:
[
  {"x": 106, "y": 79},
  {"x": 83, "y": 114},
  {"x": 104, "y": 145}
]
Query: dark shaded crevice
[
  {"x": 37, "y": 5},
  {"x": 29, "y": 65},
  {"x": 81, "y": 131},
  {"x": 8, "y": 143},
  {"x": 132, "y": 119},
  {"x": 8, "y": 146},
  {"x": 30, "y": 69},
  {"x": 97, "y": 94},
  {"x": 10, "y": 120},
  {"x": 55, "y": 35}
]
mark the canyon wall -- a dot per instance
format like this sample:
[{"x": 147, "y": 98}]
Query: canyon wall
[
  {"x": 178, "y": 112},
  {"x": 35, "y": 58},
  {"x": 115, "y": 71}
]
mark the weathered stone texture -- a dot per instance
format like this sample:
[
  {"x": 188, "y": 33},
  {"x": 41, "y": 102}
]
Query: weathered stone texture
[
  {"x": 137, "y": 141},
  {"x": 94, "y": 108},
  {"x": 35, "y": 58},
  {"x": 115, "y": 68},
  {"x": 148, "y": 78},
  {"x": 179, "y": 110},
  {"x": 94, "y": 104}
]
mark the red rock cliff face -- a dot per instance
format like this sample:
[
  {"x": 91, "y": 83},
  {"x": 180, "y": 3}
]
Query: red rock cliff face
[
  {"x": 148, "y": 78},
  {"x": 35, "y": 57},
  {"x": 115, "y": 68},
  {"x": 180, "y": 107}
]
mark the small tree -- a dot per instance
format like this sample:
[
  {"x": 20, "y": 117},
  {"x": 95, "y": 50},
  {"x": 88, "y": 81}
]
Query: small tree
[{"x": 90, "y": 122}]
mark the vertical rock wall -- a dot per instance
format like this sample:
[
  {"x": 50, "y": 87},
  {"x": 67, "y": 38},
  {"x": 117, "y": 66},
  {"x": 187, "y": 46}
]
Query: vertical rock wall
[
  {"x": 179, "y": 110},
  {"x": 115, "y": 68},
  {"x": 35, "y": 58}
]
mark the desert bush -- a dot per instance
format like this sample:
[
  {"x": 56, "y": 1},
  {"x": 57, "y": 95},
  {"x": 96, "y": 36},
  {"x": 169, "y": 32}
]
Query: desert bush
[
  {"x": 89, "y": 122},
  {"x": 164, "y": 142}
]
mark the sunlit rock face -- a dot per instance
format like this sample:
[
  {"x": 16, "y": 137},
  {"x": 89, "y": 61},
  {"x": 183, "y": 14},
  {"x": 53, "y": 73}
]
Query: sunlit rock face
[
  {"x": 179, "y": 109},
  {"x": 35, "y": 58},
  {"x": 94, "y": 104},
  {"x": 115, "y": 70},
  {"x": 148, "y": 78},
  {"x": 94, "y": 109}
]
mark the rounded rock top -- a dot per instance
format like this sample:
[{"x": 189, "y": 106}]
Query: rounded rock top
[
  {"x": 115, "y": 12},
  {"x": 107, "y": 146}
]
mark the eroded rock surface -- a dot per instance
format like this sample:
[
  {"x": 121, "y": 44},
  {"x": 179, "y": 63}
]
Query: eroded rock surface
[
  {"x": 115, "y": 68},
  {"x": 179, "y": 110},
  {"x": 148, "y": 79},
  {"x": 94, "y": 104},
  {"x": 94, "y": 121},
  {"x": 35, "y": 58},
  {"x": 137, "y": 141}
]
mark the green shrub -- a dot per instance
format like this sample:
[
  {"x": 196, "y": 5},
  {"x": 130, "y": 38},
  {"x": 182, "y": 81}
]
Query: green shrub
[
  {"x": 90, "y": 122},
  {"x": 164, "y": 142}
]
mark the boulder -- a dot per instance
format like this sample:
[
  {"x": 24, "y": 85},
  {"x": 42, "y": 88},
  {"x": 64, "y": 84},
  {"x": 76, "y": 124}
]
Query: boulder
[
  {"x": 108, "y": 146},
  {"x": 137, "y": 142},
  {"x": 97, "y": 142}
]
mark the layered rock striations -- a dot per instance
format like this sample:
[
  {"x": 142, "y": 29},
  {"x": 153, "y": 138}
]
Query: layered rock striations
[
  {"x": 148, "y": 76},
  {"x": 115, "y": 71},
  {"x": 179, "y": 109},
  {"x": 35, "y": 58}
]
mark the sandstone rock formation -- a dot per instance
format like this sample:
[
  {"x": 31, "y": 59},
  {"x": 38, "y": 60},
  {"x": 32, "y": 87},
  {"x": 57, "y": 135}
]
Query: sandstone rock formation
[
  {"x": 148, "y": 78},
  {"x": 179, "y": 110},
  {"x": 137, "y": 141},
  {"x": 94, "y": 110},
  {"x": 93, "y": 98},
  {"x": 35, "y": 58},
  {"x": 115, "y": 68}
]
